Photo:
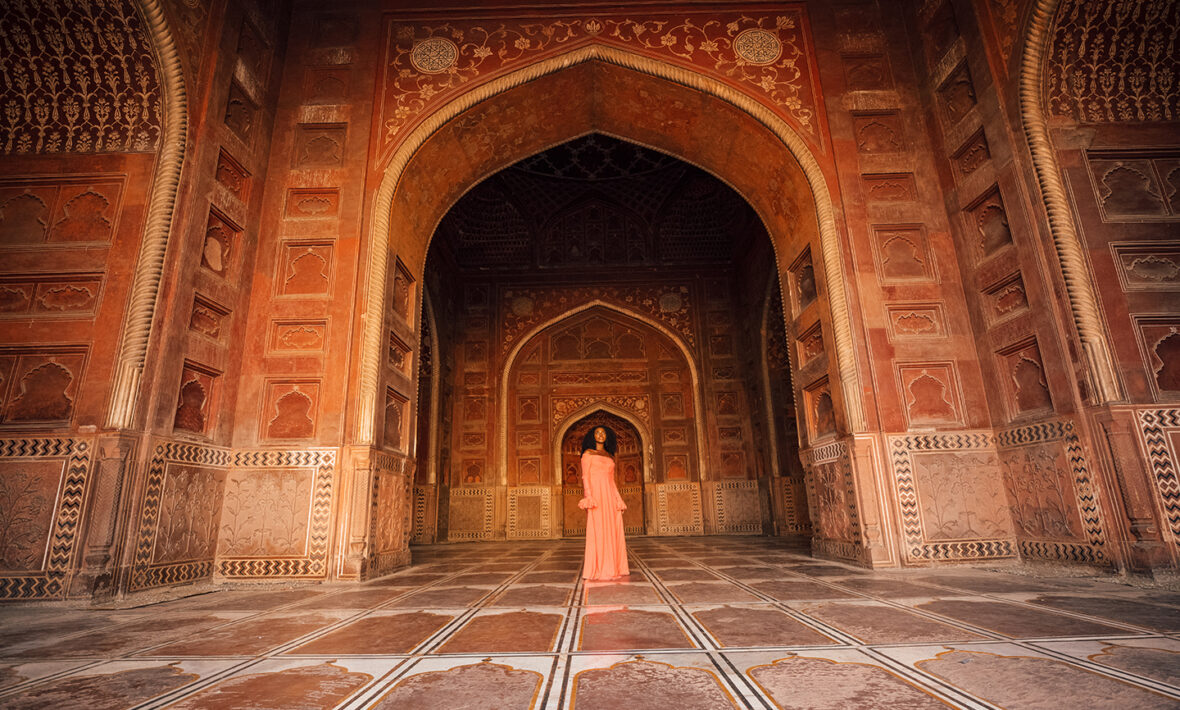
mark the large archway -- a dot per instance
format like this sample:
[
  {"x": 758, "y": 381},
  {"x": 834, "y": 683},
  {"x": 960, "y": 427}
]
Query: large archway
[{"x": 642, "y": 101}]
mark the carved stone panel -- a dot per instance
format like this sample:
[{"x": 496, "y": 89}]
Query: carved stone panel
[
  {"x": 1150, "y": 266},
  {"x": 189, "y": 515},
  {"x": 530, "y": 512},
  {"x": 471, "y": 513},
  {"x": 305, "y": 269},
  {"x": 892, "y": 187},
  {"x": 1005, "y": 299},
  {"x": 678, "y": 509},
  {"x": 297, "y": 336},
  {"x": 28, "y": 503},
  {"x": 878, "y": 132},
  {"x": 903, "y": 254},
  {"x": 290, "y": 410},
  {"x": 737, "y": 506},
  {"x": 1026, "y": 387},
  {"x": 989, "y": 224},
  {"x": 957, "y": 95},
  {"x": 930, "y": 392},
  {"x": 919, "y": 320},
  {"x": 1159, "y": 338},
  {"x": 208, "y": 318},
  {"x": 40, "y": 387},
  {"x": 312, "y": 204},
  {"x": 196, "y": 399},
  {"x": 319, "y": 146}
]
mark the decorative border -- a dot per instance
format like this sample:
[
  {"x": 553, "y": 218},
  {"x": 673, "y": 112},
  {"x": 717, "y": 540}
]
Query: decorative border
[
  {"x": 1079, "y": 281},
  {"x": 546, "y": 496},
  {"x": 315, "y": 564},
  {"x": 902, "y": 449},
  {"x": 829, "y": 235},
  {"x": 1093, "y": 552},
  {"x": 1156, "y": 425},
  {"x": 664, "y": 525},
  {"x": 149, "y": 265},
  {"x": 727, "y": 522},
  {"x": 489, "y": 511},
  {"x": 423, "y": 531},
  {"x": 143, "y": 573},
  {"x": 52, "y": 582}
]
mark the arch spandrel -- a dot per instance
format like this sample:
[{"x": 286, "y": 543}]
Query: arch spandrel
[{"x": 792, "y": 196}]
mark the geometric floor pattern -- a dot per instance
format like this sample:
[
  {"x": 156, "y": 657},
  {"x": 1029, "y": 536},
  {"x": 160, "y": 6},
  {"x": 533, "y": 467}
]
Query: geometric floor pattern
[{"x": 705, "y": 622}]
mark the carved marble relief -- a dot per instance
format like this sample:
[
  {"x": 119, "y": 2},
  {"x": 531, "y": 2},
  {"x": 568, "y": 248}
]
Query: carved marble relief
[
  {"x": 1041, "y": 488},
  {"x": 821, "y": 411},
  {"x": 28, "y": 494},
  {"x": 810, "y": 345},
  {"x": 903, "y": 254},
  {"x": 290, "y": 410},
  {"x": 189, "y": 516},
  {"x": 940, "y": 33},
  {"x": 266, "y": 513},
  {"x": 960, "y": 496}
]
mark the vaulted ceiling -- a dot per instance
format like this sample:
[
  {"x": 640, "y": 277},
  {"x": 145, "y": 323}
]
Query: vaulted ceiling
[{"x": 597, "y": 200}]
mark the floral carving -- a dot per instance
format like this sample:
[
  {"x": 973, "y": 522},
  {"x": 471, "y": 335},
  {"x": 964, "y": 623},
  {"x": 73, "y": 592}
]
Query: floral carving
[
  {"x": 266, "y": 513},
  {"x": 762, "y": 54},
  {"x": 26, "y": 508},
  {"x": 189, "y": 512},
  {"x": 960, "y": 497},
  {"x": 76, "y": 78},
  {"x": 1114, "y": 61},
  {"x": 1044, "y": 503}
]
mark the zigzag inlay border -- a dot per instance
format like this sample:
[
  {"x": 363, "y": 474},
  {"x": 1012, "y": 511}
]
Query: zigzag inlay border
[
  {"x": 1155, "y": 425},
  {"x": 53, "y": 581},
  {"x": 725, "y": 519}
]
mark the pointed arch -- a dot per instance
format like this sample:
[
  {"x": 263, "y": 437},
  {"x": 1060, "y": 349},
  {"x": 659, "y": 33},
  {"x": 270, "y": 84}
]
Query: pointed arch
[
  {"x": 514, "y": 353},
  {"x": 379, "y": 247},
  {"x": 645, "y": 433}
]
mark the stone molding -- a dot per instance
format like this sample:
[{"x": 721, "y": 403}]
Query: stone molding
[
  {"x": 149, "y": 265},
  {"x": 1079, "y": 282}
]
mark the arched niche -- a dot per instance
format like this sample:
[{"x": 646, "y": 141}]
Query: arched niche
[
  {"x": 638, "y": 99},
  {"x": 632, "y": 461},
  {"x": 597, "y": 356}
]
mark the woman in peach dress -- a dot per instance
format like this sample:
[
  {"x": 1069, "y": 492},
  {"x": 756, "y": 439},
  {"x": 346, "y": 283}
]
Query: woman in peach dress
[{"x": 606, "y": 551}]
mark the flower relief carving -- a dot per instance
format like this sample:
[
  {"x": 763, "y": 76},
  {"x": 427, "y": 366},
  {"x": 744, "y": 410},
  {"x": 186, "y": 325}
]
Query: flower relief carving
[
  {"x": 265, "y": 513},
  {"x": 1041, "y": 488},
  {"x": 27, "y": 495},
  {"x": 762, "y": 54},
  {"x": 960, "y": 496}
]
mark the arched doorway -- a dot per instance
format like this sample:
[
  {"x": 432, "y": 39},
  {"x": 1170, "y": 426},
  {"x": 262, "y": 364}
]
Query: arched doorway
[{"x": 628, "y": 472}]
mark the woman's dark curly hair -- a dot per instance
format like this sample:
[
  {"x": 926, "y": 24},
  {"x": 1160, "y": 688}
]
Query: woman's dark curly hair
[{"x": 611, "y": 444}]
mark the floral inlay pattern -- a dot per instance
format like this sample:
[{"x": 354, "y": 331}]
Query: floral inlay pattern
[
  {"x": 765, "y": 56},
  {"x": 76, "y": 78}
]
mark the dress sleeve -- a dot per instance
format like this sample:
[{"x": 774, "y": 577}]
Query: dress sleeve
[{"x": 587, "y": 503}]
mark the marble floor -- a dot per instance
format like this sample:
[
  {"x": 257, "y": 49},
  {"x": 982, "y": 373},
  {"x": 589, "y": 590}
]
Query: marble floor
[{"x": 701, "y": 623}]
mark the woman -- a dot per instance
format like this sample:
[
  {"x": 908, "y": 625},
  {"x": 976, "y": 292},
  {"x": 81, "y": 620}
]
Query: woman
[{"x": 606, "y": 552}]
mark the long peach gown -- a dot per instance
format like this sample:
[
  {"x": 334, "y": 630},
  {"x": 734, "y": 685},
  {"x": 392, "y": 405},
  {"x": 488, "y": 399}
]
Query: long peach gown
[{"x": 606, "y": 551}]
